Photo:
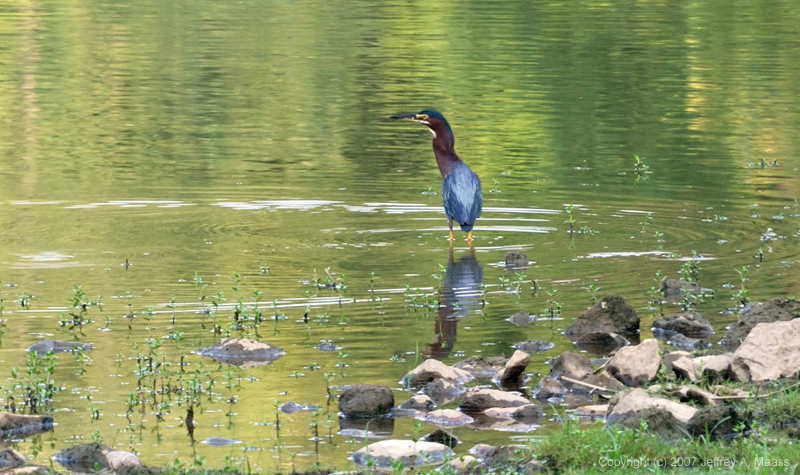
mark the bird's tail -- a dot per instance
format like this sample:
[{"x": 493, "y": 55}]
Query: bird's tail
[{"x": 467, "y": 227}]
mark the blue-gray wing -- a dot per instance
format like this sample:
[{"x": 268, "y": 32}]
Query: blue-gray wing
[{"x": 462, "y": 196}]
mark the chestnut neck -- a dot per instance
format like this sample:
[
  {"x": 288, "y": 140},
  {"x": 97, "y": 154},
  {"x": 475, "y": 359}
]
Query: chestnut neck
[{"x": 444, "y": 147}]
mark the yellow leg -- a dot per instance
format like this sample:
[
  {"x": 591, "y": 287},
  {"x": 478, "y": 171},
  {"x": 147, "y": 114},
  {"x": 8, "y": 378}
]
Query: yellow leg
[
  {"x": 450, "y": 225},
  {"x": 469, "y": 237}
]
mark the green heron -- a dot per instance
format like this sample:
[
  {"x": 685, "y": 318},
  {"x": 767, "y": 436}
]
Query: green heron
[{"x": 461, "y": 189}]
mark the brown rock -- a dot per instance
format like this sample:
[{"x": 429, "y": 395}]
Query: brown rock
[
  {"x": 659, "y": 421},
  {"x": 610, "y": 315},
  {"x": 442, "y": 391},
  {"x": 702, "y": 397},
  {"x": 483, "y": 367},
  {"x": 365, "y": 400},
  {"x": 717, "y": 421},
  {"x": 594, "y": 410},
  {"x": 84, "y": 457},
  {"x": 21, "y": 424},
  {"x": 636, "y": 365},
  {"x": 771, "y": 351},
  {"x": 408, "y": 452},
  {"x": 674, "y": 289},
  {"x": 780, "y": 309}
]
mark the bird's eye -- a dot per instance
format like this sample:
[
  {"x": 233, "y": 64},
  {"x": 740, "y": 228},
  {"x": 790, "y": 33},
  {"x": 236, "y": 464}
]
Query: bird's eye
[{"x": 422, "y": 117}]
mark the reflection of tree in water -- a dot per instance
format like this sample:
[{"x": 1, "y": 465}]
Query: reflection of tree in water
[{"x": 461, "y": 295}]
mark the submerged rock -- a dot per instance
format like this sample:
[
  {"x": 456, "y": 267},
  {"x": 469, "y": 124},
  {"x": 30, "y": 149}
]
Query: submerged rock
[
  {"x": 328, "y": 346},
  {"x": 446, "y": 418},
  {"x": 408, "y": 452},
  {"x": 780, "y": 309},
  {"x": 521, "y": 319},
  {"x": 365, "y": 400},
  {"x": 45, "y": 346},
  {"x": 482, "y": 367},
  {"x": 220, "y": 441},
  {"x": 534, "y": 346},
  {"x": 674, "y": 289},
  {"x": 771, "y": 351},
  {"x": 242, "y": 352},
  {"x": 516, "y": 259},
  {"x": 685, "y": 343},
  {"x": 610, "y": 315}
]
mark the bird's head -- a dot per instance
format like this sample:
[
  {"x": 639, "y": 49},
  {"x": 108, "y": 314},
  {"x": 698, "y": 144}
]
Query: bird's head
[{"x": 431, "y": 118}]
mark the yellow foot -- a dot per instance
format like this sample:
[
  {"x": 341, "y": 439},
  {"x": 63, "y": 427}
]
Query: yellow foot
[
  {"x": 469, "y": 237},
  {"x": 451, "y": 236}
]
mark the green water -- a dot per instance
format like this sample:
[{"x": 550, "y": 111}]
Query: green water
[{"x": 212, "y": 139}]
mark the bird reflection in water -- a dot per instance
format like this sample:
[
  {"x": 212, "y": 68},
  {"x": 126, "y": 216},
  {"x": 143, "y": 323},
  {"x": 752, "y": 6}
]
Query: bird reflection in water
[{"x": 461, "y": 295}]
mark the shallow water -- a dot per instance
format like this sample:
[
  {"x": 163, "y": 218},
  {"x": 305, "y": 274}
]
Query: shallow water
[{"x": 209, "y": 139}]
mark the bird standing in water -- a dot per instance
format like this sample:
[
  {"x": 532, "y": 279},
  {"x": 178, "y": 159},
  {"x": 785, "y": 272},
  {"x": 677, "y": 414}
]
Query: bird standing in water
[{"x": 461, "y": 189}]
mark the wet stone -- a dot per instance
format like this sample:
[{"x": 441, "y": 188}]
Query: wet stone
[
  {"x": 365, "y": 400},
  {"x": 516, "y": 259},
  {"x": 685, "y": 343},
  {"x": 601, "y": 343},
  {"x": 482, "y": 367},
  {"x": 779, "y": 309},
  {"x": 19, "y": 424},
  {"x": 328, "y": 346},
  {"x": 242, "y": 352},
  {"x": 689, "y": 324},
  {"x": 534, "y": 346},
  {"x": 548, "y": 387},
  {"x": 521, "y": 319},
  {"x": 441, "y": 436},
  {"x": 419, "y": 403},
  {"x": 610, "y": 315},
  {"x": 220, "y": 441},
  {"x": 84, "y": 457},
  {"x": 45, "y": 346}
]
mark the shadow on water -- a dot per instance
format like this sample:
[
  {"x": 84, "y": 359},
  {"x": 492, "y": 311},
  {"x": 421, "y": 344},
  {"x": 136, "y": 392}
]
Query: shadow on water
[{"x": 461, "y": 295}]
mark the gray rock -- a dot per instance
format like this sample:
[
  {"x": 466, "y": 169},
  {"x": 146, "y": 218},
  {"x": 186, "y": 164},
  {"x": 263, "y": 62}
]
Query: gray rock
[
  {"x": 574, "y": 366},
  {"x": 636, "y": 365},
  {"x": 674, "y": 289},
  {"x": 690, "y": 324},
  {"x": 521, "y": 319},
  {"x": 442, "y": 391},
  {"x": 780, "y": 309},
  {"x": 242, "y": 352},
  {"x": 446, "y": 418},
  {"x": 220, "y": 441},
  {"x": 117, "y": 459},
  {"x": 528, "y": 413},
  {"x": 534, "y": 346},
  {"x": 10, "y": 458},
  {"x": 685, "y": 343},
  {"x": 548, "y": 387},
  {"x": 638, "y": 399},
  {"x": 45, "y": 346},
  {"x": 419, "y": 403},
  {"x": 610, "y": 315},
  {"x": 365, "y": 400}
]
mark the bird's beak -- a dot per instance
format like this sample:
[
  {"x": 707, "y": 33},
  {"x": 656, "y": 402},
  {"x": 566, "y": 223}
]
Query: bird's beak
[{"x": 405, "y": 116}]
